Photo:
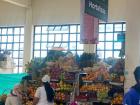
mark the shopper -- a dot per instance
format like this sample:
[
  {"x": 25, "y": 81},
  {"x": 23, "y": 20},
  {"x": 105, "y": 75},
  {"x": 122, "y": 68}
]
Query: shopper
[
  {"x": 132, "y": 97},
  {"x": 15, "y": 97},
  {"x": 45, "y": 94}
]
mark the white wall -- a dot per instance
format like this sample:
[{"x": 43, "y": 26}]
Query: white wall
[
  {"x": 68, "y": 11},
  {"x": 117, "y": 10},
  {"x": 128, "y": 10},
  {"x": 56, "y": 11},
  {"x": 132, "y": 39},
  {"x": 11, "y": 14}
]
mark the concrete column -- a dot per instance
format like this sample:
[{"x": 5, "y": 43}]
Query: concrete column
[
  {"x": 28, "y": 38},
  {"x": 89, "y": 48},
  {"x": 86, "y": 48},
  {"x": 132, "y": 40}
]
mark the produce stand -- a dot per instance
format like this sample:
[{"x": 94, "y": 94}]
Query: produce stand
[
  {"x": 90, "y": 83},
  {"x": 97, "y": 87},
  {"x": 62, "y": 69},
  {"x": 74, "y": 80}
]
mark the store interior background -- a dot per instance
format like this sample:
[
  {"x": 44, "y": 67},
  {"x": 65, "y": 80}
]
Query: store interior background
[{"x": 28, "y": 13}]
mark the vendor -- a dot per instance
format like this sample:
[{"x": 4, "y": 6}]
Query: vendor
[
  {"x": 44, "y": 95},
  {"x": 15, "y": 97}
]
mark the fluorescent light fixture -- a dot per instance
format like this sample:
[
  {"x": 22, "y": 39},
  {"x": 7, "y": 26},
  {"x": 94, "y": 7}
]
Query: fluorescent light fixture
[{"x": 16, "y": 3}]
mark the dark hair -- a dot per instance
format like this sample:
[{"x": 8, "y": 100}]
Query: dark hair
[
  {"x": 49, "y": 92},
  {"x": 137, "y": 73}
]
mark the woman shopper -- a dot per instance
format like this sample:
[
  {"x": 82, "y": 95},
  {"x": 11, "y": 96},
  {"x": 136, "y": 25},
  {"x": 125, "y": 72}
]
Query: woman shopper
[
  {"x": 132, "y": 97},
  {"x": 15, "y": 97},
  {"x": 45, "y": 94}
]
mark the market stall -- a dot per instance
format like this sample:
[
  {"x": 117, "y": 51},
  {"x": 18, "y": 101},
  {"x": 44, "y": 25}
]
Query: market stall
[{"x": 84, "y": 80}]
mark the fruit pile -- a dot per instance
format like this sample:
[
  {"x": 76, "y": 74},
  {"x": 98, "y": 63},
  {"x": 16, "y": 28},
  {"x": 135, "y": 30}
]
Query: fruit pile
[
  {"x": 69, "y": 76},
  {"x": 82, "y": 97},
  {"x": 55, "y": 73},
  {"x": 117, "y": 100},
  {"x": 29, "y": 103},
  {"x": 29, "y": 92},
  {"x": 95, "y": 87},
  {"x": 61, "y": 86},
  {"x": 59, "y": 96},
  {"x": 102, "y": 95},
  {"x": 27, "y": 97},
  {"x": 3, "y": 99},
  {"x": 100, "y": 75},
  {"x": 117, "y": 78}
]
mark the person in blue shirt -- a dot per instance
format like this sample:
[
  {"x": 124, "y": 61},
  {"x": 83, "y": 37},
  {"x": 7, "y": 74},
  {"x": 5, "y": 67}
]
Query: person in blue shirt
[{"x": 132, "y": 97}]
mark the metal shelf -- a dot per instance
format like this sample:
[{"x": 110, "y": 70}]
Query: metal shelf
[{"x": 116, "y": 83}]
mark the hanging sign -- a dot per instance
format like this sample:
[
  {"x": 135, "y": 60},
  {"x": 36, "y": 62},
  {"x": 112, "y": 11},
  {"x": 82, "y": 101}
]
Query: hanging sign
[
  {"x": 89, "y": 27},
  {"x": 97, "y": 8}
]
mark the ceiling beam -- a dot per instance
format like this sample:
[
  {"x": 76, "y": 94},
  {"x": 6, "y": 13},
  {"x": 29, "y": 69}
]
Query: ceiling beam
[{"x": 21, "y": 3}]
